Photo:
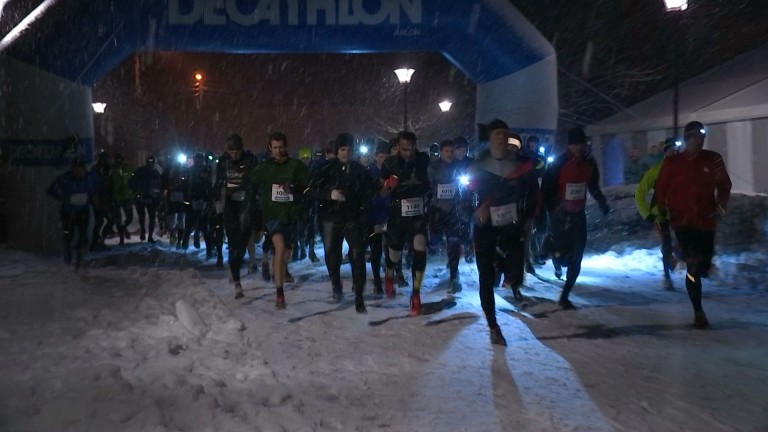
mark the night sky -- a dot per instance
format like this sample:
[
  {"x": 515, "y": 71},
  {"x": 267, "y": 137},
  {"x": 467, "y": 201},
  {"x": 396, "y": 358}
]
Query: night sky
[{"x": 611, "y": 54}]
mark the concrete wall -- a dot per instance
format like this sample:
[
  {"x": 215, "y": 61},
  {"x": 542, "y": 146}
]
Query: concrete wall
[{"x": 39, "y": 111}]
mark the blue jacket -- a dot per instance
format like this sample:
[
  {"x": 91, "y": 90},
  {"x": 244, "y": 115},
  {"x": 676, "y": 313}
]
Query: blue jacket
[{"x": 75, "y": 194}]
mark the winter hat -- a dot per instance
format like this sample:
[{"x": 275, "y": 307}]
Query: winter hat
[
  {"x": 515, "y": 140},
  {"x": 382, "y": 148},
  {"x": 577, "y": 136},
  {"x": 305, "y": 153},
  {"x": 496, "y": 124},
  {"x": 344, "y": 140},
  {"x": 151, "y": 159},
  {"x": 695, "y": 126},
  {"x": 669, "y": 142},
  {"x": 234, "y": 142}
]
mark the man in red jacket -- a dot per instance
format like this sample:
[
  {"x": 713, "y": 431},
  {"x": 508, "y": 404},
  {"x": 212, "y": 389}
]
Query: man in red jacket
[
  {"x": 564, "y": 188},
  {"x": 694, "y": 188}
]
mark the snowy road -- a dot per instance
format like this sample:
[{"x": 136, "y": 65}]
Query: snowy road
[{"x": 105, "y": 350}]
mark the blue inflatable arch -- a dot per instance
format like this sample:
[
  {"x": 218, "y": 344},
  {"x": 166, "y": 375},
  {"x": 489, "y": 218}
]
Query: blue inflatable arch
[{"x": 57, "y": 50}]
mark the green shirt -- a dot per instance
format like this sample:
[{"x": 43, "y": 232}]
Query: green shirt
[
  {"x": 121, "y": 178},
  {"x": 276, "y": 204}
]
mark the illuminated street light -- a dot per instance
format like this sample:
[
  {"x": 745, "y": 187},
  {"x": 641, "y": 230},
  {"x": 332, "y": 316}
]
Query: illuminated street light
[
  {"x": 676, "y": 5},
  {"x": 199, "y": 88},
  {"x": 445, "y": 106},
  {"x": 99, "y": 107},
  {"x": 404, "y": 76}
]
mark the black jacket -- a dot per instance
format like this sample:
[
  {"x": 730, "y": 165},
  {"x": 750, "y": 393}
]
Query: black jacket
[{"x": 354, "y": 182}]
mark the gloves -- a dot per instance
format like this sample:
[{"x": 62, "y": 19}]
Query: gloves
[
  {"x": 605, "y": 208},
  {"x": 391, "y": 182},
  {"x": 337, "y": 195}
]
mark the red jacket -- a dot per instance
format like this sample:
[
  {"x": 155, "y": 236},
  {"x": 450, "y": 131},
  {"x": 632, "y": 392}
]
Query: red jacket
[
  {"x": 566, "y": 182},
  {"x": 686, "y": 188}
]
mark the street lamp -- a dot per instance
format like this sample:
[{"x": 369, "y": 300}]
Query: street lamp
[
  {"x": 676, "y": 6},
  {"x": 404, "y": 76},
  {"x": 445, "y": 105},
  {"x": 199, "y": 88},
  {"x": 99, "y": 107}
]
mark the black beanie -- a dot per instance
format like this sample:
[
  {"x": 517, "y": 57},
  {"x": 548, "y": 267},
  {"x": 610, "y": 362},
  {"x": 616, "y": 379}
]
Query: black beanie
[
  {"x": 669, "y": 142},
  {"x": 694, "y": 126},
  {"x": 496, "y": 124},
  {"x": 344, "y": 140},
  {"x": 577, "y": 136}
]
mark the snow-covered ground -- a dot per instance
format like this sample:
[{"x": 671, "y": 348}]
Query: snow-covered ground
[{"x": 149, "y": 339}]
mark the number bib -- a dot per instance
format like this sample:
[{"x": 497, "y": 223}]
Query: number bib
[
  {"x": 446, "y": 191},
  {"x": 575, "y": 191},
  {"x": 78, "y": 199},
  {"x": 177, "y": 196},
  {"x": 504, "y": 215},
  {"x": 412, "y": 207},
  {"x": 279, "y": 195},
  {"x": 238, "y": 195}
]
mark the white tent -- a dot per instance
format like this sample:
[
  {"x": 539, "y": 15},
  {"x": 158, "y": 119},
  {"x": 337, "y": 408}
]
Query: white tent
[{"x": 730, "y": 99}]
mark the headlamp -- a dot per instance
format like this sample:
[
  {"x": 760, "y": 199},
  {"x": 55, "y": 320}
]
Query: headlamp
[
  {"x": 181, "y": 158},
  {"x": 464, "y": 180},
  {"x": 364, "y": 150}
]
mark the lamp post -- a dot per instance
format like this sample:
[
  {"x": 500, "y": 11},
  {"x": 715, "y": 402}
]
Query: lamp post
[
  {"x": 445, "y": 105},
  {"x": 98, "y": 109},
  {"x": 676, "y": 7},
  {"x": 199, "y": 89},
  {"x": 404, "y": 76}
]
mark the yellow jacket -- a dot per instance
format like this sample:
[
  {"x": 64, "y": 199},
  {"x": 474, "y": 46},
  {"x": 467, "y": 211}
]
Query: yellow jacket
[{"x": 646, "y": 184}]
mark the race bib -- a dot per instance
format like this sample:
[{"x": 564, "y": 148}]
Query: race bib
[
  {"x": 78, "y": 199},
  {"x": 177, "y": 196},
  {"x": 279, "y": 195},
  {"x": 504, "y": 215},
  {"x": 238, "y": 195},
  {"x": 380, "y": 228},
  {"x": 198, "y": 205},
  {"x": 446, "y": 191},
  {"x": 575, "y": 191},
  {"x": 412, "y": 207}
]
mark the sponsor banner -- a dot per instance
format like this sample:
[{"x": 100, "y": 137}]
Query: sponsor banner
[{"x": 57, "y": 153}]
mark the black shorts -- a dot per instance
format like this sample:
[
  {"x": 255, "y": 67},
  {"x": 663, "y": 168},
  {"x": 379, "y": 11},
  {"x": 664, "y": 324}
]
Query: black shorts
[
  {"x": 288, "y": 230},
  {"x": 402, "y": 229},
  {"x": 698, "y": 248}
]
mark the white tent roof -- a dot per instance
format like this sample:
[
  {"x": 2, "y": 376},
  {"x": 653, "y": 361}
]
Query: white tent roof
[{"x": 736, "y": 90}]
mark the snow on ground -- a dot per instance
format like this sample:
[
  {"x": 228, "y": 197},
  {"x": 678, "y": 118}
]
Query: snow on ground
[{"x": 150, "y": 339}]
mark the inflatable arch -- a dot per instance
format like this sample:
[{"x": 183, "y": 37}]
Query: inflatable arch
[{"x": 53, "y": 55}]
